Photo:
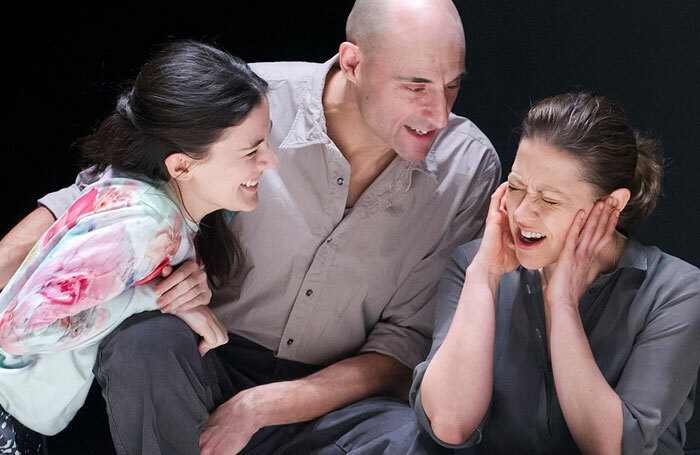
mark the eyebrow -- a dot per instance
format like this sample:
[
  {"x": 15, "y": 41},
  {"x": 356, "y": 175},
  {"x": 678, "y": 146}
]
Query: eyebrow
[
  {"x": 422, "y": 80},
  {"x": 258, "y": 142},
  {"x": 540, "y": 189}
]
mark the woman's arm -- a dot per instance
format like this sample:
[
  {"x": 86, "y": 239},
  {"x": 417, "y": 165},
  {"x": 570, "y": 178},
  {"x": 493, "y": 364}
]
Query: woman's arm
[
  {"x": 57, "y": 300},
  {"x": 591, "y": 408},
  {"x": 456, "y": 388}
]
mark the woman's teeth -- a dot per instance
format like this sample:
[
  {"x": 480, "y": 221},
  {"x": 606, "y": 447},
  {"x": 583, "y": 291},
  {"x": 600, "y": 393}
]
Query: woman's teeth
[
  {"x": 250, "y": 183},
  {"x": 531, "y": 237},
  {"x": 417, "y": 131}
]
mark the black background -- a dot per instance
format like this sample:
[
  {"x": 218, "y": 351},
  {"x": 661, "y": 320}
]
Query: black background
[{"x": 66, "y": 66}]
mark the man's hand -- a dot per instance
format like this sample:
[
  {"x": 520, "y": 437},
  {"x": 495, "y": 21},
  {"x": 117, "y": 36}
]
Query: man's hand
[
  {"x": 230, "y": 426},
  {"x": 182, "y": 289}
]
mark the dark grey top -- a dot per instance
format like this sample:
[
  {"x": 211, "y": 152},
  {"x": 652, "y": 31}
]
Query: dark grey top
[{"x": 643, "y": 326}]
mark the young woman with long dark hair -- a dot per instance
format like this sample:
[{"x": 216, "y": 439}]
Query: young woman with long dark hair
[{"x": 186, "y": 143}]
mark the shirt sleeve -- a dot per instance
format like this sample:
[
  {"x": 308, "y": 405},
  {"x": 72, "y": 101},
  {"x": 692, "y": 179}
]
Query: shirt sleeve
[
  {"x": 447, "y": 298},
  {"x": 406, "y": 325},
  {"x": 67, "y": 299},
  {"x": 656, "y": 383},
  {"x": 59, "y": 201}
]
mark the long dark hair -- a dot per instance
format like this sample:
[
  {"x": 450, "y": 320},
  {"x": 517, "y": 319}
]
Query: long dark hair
[
  {"x": 614, "y": 155},
  {"x": 180, "y": 102}
]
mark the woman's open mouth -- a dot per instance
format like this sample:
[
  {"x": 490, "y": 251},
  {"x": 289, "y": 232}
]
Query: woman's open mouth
[{"x": 528, "y": 239}]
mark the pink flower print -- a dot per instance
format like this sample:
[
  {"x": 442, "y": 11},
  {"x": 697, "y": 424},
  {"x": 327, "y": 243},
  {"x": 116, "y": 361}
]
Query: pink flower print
[
  {"x": 154, "y": 273},
  {"x": 67, "y": 289},
  {"x": 166, "y": 243},
  {"x": 85, "y": 204},
  {"x": 112, "y": 197},
  {"x": 85, "y": 274}
]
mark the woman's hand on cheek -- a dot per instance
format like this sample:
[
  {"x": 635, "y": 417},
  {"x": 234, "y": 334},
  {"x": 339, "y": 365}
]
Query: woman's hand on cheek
[
  {"x": 572, "y": 274},
  {"x": 497, "y": 250}
]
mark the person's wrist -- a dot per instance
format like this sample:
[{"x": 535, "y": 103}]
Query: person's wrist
[
  {"x": 561, "y": 305},
  {"x": 482, "y": 272},
  {"x": 479, "y": 267},
  {"x": 250, "y": 405}
]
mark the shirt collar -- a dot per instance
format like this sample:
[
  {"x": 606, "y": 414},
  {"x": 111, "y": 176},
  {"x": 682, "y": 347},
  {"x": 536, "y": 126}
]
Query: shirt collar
[
  {"x": 428, "y": 166},
  {"x": 309, "y": 126},
  {"x": 633, "y": 256}
]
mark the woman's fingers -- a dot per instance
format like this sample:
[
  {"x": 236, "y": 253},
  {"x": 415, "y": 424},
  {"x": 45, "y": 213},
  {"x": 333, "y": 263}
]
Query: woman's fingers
[
  {"x": 199, "y": 295},
  {"x": 598, "y": 232},
  {"x": 573, "y": 236},
  {"x": 497, "y": 199},
  {"x": 214, "y": 335},
  {"x": 588, "y": 235},
  {"x": 589, "y": 228},
  {"x": 606, "y": 227}
]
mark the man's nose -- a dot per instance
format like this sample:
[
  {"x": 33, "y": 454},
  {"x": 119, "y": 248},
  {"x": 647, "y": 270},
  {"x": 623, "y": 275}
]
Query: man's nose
[{"x": 438, "y": 110}]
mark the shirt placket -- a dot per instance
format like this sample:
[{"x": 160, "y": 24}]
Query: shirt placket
[
  {"x": 535, "y": 312},
  {"x": 298, "y": 334},
  {"x": 315, "y": 289}
]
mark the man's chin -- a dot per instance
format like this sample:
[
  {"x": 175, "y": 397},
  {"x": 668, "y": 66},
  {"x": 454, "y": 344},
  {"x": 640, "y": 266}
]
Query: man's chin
[{"x": 413, "y": 154}]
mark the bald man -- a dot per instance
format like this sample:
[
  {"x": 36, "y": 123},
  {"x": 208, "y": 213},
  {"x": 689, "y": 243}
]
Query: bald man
[{"x": 377, "y": 183}]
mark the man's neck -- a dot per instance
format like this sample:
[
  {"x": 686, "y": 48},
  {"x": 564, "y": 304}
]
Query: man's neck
[
  {"x": 345, "y": 124},
  {"x": 367, "y": 155}
]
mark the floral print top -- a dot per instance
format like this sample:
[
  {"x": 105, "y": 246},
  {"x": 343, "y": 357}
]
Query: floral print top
[{"x": 85, "y": 275}]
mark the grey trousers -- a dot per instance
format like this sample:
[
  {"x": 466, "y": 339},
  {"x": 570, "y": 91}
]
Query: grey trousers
[{"x": 159, "y": 393}]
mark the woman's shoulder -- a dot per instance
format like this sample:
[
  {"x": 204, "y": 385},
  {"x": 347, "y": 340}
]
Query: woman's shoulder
[
  {"x": 659, "y": 265},
  {"x": 114, "y": 191},
  {"x": 119, "y": 201},
  {"x": 666, "y": 281}
]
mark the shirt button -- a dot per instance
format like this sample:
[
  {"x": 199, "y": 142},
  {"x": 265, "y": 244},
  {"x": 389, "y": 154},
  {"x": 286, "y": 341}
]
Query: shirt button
[
  {"x": 340, "y": 181},
  {"x": 329, "y": 240},
  {"x": 309, "y": 292},
  {"x": 290, "y": 341}
]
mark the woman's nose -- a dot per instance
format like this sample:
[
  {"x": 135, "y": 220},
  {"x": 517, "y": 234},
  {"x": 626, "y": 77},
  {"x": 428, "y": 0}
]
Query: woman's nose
[
  {"x": 525, "y": 211},
  {"x": 267, "y": 159}
]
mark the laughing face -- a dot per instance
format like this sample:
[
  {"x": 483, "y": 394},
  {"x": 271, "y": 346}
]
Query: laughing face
[
  {"x": 545, "y": 191},
  {"x": 408, "y": 88},
  {"x": 228, "y": 177}
]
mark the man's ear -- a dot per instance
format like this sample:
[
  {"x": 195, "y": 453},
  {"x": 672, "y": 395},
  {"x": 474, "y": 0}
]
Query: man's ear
[
  {"x": 179, "y": 166},
  {"x": 350, "y": 57},
  {"x": 622, "y": 197}
]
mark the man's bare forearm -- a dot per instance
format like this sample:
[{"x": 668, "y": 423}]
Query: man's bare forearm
[
  {"x": 15, "y": 246},
  {"x": 331, "y": 388}
]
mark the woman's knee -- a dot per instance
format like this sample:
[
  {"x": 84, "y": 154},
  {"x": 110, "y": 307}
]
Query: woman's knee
[{"x": 148, "y": 340}]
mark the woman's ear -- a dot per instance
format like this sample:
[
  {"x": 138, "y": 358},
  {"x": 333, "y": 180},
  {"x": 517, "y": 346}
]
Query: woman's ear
[
  {"x": 179, "y": 166},
  {"x": 622, "y": 197}
]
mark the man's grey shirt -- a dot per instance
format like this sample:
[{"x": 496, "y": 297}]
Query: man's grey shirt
[
  {"x": 324, "y": 283},
  {"x": 643, "y": 326}
]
